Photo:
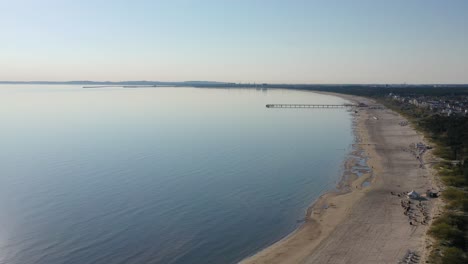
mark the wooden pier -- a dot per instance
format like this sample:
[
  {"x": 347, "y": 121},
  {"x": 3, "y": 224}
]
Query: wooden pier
[{"x": 310, "y": 105}]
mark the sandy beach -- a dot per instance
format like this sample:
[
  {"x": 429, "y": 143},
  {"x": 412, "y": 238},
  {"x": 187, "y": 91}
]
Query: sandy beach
[{"x": 366, "y": 221}]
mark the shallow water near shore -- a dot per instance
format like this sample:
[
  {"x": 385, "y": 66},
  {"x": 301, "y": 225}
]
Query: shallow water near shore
[{"x": 160, "y": 175}]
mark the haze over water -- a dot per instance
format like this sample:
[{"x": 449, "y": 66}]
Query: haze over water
[{"x": 159, "y": 175}]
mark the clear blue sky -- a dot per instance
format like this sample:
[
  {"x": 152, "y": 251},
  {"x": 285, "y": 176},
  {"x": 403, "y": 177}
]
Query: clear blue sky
[{"x": 290, "y": 41}]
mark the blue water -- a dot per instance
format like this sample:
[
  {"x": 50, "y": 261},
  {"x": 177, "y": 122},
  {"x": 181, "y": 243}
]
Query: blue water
[{"x": 159, "y": 175}]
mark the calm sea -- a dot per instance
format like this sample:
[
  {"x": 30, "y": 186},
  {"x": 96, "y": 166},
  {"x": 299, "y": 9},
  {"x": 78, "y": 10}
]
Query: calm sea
[{"x": 159, "y": 175}]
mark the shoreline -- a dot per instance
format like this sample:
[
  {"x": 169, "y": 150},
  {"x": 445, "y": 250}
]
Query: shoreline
[
  {"x": 316, "y": 213},
  {"x": 310, "y": 243}
]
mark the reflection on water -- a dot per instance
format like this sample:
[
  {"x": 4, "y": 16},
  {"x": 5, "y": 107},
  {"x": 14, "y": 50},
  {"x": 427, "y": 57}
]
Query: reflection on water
[{"x": 161, "y": 175}]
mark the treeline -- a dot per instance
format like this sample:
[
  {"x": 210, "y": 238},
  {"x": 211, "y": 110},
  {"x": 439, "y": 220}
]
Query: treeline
[
  {"x": 450, "y": 135},
  {"x": 379, "y": 91},
  {"x": 450, "y": 131}
]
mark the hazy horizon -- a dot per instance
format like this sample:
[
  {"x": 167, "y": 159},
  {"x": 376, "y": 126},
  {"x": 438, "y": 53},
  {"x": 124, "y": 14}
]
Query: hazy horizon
[
  {"x": 313, "y": 42},
  {"x": 80, "y": 82}
]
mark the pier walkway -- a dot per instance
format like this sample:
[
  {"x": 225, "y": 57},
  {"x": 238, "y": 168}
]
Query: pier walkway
[{"x": 311, "y": 105}]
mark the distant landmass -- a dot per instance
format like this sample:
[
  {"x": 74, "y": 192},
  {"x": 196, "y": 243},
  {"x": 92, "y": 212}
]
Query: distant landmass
[{"x": 118, "y": 83}]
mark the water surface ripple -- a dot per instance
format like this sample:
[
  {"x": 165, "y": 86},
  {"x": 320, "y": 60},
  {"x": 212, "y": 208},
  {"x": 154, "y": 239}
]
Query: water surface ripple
[{"x": 163, "y": 175}]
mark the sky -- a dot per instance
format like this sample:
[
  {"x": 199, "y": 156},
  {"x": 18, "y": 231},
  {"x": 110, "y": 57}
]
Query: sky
[{"x": 289, "y": 41}]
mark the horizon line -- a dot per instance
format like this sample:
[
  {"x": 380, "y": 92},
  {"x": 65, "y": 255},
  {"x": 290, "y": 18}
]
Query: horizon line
[{"x": 222, "y": 83}]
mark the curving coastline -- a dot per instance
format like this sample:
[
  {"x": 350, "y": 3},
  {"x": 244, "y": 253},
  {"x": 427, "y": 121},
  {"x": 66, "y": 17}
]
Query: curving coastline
[{"x": 362, "y": 223}]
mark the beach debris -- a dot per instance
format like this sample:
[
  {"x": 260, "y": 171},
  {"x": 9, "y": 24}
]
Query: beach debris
[
  {"x": 361, "y": 104},
  {"x": 416, "y": 211},
  {"x": 431, "y": 193},
  {"x": 410, "y": 257},
  {"x": 418, "y": 150},
  {"x": 413, "y": 195}
]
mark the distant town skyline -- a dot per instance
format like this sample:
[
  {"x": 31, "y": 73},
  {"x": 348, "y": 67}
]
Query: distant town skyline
[{"x": 315, "y": 42}]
